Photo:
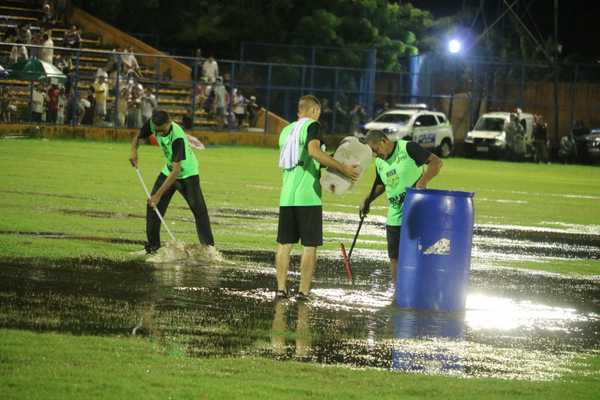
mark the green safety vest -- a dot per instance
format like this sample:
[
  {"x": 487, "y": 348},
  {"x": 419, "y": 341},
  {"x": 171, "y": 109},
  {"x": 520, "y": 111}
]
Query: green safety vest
[
  {"x": 301, "y": 185},
  {"x": 398, "y": 173},
  {"x": 189, "y": 166}
]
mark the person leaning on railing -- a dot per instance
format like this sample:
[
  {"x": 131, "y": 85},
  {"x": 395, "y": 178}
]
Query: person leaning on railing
[{"x": 72, "y": 37}]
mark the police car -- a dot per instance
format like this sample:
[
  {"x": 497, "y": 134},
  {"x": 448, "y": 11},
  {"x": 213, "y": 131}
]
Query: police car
[{"x": 431, "y": 129}]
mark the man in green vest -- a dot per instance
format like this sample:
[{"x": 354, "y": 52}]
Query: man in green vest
[
  {"x": 179, "y": 173},
  {"x": 398, "y": 166},
  {"x": 300, "y": 207}
]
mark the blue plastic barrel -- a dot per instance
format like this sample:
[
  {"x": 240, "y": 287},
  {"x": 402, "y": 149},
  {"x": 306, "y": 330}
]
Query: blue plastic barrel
[{"x": 435, "y": 250}]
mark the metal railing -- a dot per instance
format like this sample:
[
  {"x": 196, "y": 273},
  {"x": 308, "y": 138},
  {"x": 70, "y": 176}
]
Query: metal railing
[{"x": 463, "y": 89}]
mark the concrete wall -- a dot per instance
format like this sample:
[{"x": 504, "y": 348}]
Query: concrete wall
[{"x": 125, "y": 135}]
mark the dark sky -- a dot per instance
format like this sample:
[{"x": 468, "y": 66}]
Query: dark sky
[{"x": 578, "y": 21}]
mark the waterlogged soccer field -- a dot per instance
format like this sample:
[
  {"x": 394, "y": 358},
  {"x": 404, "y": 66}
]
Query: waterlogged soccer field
[{"x": 73, "y": 211}]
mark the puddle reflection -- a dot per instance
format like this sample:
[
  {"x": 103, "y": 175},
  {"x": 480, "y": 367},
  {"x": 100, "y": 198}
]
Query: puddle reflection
[{"x": 515, "y": 326}]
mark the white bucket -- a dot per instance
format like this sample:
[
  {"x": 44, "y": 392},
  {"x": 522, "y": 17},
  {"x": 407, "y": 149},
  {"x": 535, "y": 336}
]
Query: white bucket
[{"x": 350, "y": 151}]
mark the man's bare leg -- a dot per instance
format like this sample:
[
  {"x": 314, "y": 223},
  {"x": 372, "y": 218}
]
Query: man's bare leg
[
  {"x": 307, "y": 268},
  {"x": 282, "y": 264}
]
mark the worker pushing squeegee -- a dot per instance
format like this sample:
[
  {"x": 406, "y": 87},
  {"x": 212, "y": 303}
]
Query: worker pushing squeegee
[{"x": 179, "y": 173}]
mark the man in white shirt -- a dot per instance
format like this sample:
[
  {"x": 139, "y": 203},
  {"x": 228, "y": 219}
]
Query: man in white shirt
[
  {"x": 130, "y": 64},
  {"x": 37, "y": 103},
  {"x": 47, "y": 52},
  {"x": 210, "y": 69},
  {"x": 148, "y": 104}
]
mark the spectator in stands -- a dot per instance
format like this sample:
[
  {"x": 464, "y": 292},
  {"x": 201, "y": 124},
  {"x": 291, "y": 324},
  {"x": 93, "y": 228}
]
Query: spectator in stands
[
  {"x": 130, "y": 64},
  {"x": 210, "y": 69},
  {"x": 64, "y": 63},
  {"x": 227, "y": 82},
  {"x": 122, "y": 106},
  {"x": 101, "y": 72},
  {"x": 62, "y": 101},
  {"x": 252, "y": 109},
  {"x": 149, "y": 103},
  {"x": 38, "y": 100},
  {"x": 196, "y": 67},
  {"x": 18, "y": 52},
  {"x": 134, "y": 110},
  {"x": 238, "y": 106},
  {"x": 208, "y": 105},
  {"x": 3, "y": 33},
  {"x": 112, "y": 65},
  {"x": 52, "y": 104},
  {"x": 202, "y": 91},
  {"x": 11, "y": 34},
  {"x": 24, "y": 33},
  {"x": 220, "y": 103},
  {"x": 75, "y": 108},
  {"x": 37, "y": 40},
  {"x": 72, "y": 37},
  {"x": 47, "y": 13},
  {"x": 89, "y": 107},
  {"x": 100, "y": 95},
  {"x": 47, "y": 52},
  {"x": 6, "y": 104}
]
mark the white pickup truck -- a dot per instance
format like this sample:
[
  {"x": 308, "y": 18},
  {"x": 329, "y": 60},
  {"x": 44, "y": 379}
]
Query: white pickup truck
[
  {"x": 431, "y": 129},
  {"x": 489, "y": 136}
]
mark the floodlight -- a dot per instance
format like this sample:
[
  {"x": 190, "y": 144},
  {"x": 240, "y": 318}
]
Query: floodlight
[{"x": 454, "y": 46}]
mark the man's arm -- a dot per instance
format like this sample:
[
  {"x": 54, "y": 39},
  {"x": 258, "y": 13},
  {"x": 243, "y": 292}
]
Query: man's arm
[
  {"x": 377, "y": 190},
  {"x": 144, "y": 132},
  {"x": 422, "y": 156},
  {"x": 133, "y": 157},
  {"x": 314, "y": 150},
  {"x": 155, "y": 198},
  {"x": 434, "y": 165}
]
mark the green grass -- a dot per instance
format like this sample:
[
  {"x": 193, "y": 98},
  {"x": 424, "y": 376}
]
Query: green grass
[
  {"x": 57, "y": 366},
  {"x": 46, "y": 183}
]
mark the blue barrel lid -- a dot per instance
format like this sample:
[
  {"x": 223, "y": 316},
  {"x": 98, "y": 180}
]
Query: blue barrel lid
[{"x": 437, "y": 192}]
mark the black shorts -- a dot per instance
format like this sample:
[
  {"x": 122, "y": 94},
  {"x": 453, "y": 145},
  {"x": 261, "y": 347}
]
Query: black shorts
[
  {"x": 300, "y": 222},
  {"x": 393, "y": 240}
]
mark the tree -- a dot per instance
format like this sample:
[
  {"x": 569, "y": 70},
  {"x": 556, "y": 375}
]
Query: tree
[{"x": 395, "y": 30}]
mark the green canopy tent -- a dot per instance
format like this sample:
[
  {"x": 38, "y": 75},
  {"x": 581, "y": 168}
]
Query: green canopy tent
[{"x": 32, "y": 70}]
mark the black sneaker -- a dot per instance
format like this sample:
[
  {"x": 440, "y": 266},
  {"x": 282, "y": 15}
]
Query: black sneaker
[{"x": 151, "y": 249}]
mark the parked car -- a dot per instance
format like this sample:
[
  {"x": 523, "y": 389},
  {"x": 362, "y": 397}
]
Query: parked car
[
  {"x": 431, "y": 129},
  {"x": 581, "y": 145},
  {"x": 591, "y": 144},
  {"x": 492, "y": 135}
]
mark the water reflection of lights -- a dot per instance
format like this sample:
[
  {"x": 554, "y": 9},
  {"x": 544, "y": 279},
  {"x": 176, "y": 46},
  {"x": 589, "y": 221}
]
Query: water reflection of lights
[
  {"x": 352, "y": 299},
  {"x": 499, "y": 313}
]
